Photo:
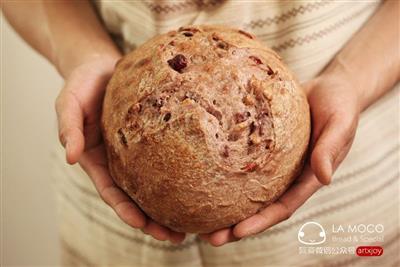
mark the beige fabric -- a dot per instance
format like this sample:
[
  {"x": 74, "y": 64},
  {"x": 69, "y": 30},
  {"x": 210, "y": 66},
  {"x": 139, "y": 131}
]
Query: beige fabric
[{"x": 365, "y": 188}]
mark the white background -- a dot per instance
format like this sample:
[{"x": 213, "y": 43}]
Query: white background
[{"x": 29, "y": 85}]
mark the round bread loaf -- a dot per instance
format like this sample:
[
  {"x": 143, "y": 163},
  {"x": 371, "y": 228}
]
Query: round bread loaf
[{"x": 203, "y": 127}]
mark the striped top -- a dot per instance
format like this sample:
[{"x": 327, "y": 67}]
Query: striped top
[{"x": 301, "y": 31}]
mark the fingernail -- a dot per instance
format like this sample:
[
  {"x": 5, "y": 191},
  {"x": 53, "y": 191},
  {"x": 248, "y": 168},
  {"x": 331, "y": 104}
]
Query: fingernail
[
  {"x": 63, "y": 142},
  {"x": 328, "y": 171},
  {"x": 202, "y": 237},
  {"x": 67, "y": 146},
  {"x": 173, "y": 241},
  {"x": 68, "y": 153}
]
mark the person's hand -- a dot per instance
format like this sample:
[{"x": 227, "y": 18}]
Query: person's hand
[
  {"x": 335, "y": 108},
  {"x": 78, "y": 109}
]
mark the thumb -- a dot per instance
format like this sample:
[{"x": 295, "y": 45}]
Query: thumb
[
  {"x": 70, "y": 125},
  {"x": 331, "y": 147}
]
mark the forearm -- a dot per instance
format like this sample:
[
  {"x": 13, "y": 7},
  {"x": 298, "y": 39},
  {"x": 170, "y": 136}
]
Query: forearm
[
  {"x": 66, "y": 32},
  {"x": 371, "y": 60}
]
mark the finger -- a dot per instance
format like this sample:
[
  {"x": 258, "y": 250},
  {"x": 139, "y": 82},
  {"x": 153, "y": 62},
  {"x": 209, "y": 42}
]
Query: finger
[
  {"x": 220, "y": 237},
  {"x": 94, "y": 164},
  {"x": 334, "y": 139},
  {"x": 122, "y": 205},
  {"x": 303, "y": 188},
  {"x": 162, "y": 233},
  {"x": 70, "y": 125},
  {"x": 157, "y": 231},
  {"x": 176, "y": 237}
]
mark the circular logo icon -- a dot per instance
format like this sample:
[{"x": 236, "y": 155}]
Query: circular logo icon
[{"x": 311, "y": 233}]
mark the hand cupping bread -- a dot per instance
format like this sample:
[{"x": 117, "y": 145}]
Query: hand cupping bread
[{"x": 204, "y": 126}]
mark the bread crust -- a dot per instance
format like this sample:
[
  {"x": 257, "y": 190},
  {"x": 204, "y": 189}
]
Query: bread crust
[{"x": 203, "y": 127}]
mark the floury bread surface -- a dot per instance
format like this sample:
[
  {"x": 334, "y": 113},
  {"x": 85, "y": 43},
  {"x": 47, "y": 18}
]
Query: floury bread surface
[{"x": 203, "y": 127}]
